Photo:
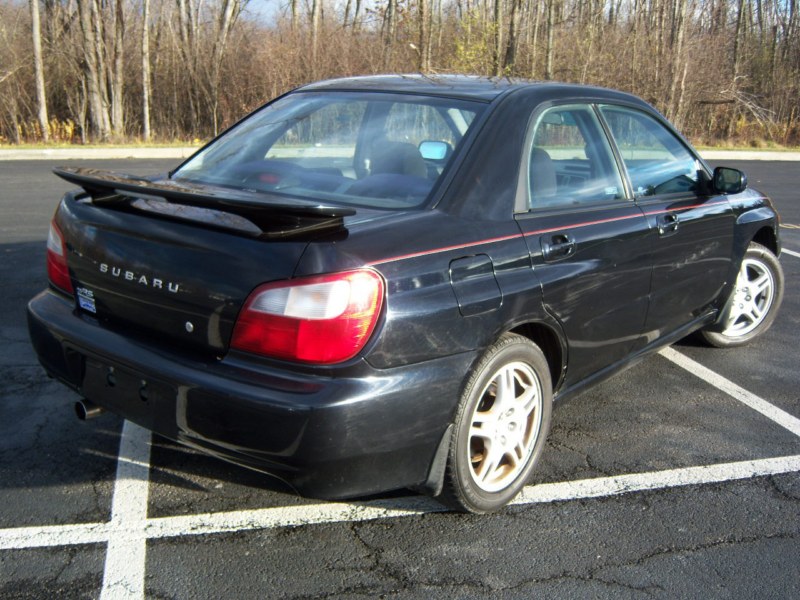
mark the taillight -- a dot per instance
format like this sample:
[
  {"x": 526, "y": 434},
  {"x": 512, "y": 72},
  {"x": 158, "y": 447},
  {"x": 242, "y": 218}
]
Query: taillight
[
  {"x": 323, "y": 320},
  {"x": 57, "y": 270}
]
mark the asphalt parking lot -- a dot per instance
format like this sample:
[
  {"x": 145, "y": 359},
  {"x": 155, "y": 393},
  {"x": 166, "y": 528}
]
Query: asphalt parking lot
[{"x": 679, "y": 478}]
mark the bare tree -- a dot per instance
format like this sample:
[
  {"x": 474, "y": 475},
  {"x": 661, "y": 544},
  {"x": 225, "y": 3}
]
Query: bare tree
[
  {"x": 510, "y": 55},
  {"x": 227, "y": 18},
  {"x": 388, "y": 31},
  {"x": 93, "y": 71},
  {"x": 423, "y": 39},
  {"x": 550, "y": 24},
  {"x": 678, "y": 27},
  {"x": 316, "y": 13},
  {"x": 719, "y": 68},
  {"x": 146, "y": 69},
  {"x": 188, "y": 47},
  {"x": 498, "y": 53},
  {"x": 117, "y": 70},
  {"x": 38, "y": 66}
]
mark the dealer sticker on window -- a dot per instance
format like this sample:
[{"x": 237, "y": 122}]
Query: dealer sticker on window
[{"x": 86, "y": 300}]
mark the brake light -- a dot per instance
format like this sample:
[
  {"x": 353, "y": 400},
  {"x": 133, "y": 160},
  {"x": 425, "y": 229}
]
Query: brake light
[
  {"x": 57, "y": 270},
  {"x": 323, "y": 320}
]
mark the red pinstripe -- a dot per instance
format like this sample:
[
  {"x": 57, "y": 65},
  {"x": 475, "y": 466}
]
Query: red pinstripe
[{"x": 538, "y": 232}]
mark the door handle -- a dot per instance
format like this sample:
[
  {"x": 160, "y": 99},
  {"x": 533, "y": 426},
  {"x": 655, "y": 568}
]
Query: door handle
[
  {"x": 558, "y": 246},
  {"x": 668, "y": 224}
]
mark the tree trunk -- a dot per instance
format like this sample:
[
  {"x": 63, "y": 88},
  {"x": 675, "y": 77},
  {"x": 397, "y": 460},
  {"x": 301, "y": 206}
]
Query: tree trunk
[
  {"x": 548, "y": 61},
  {"x": 513, "y": 36},
  {"x": 146, "y": 70},
  {"x": 736, "y": 40},
  {"x": 227, "y": 18},
  {"x": 536, "y": 13},
  {"x": 356, "y": 12},
  {"x": 423, "y": 39},
  {"x": 38, "y": 68},
  {"x": 316, "y": 11},
  {"x": 98, "y": 110},
  {"x": 387, "y": 31},
  {"x": 346, "y": 16},
  {"x": 100, "y": 56},
  {"x": 118, "y": 72},
  {"x": 499, "y": 50},
  {"x": 677, "y": 56},
  {"x": 679, "y": 103},
  {"x": 187, "y": 27}
]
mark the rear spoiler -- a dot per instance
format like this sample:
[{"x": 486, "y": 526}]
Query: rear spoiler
[{"x": 266, "y": 216}]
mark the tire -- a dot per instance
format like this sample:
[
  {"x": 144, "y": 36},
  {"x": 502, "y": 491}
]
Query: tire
[
  {"x": 754, "y": 301},
  {"x": 498, "y": 437}
]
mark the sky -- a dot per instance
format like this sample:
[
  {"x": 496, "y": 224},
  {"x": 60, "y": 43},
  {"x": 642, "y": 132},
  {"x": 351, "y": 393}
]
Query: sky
[{"x": 264, "y": 10}]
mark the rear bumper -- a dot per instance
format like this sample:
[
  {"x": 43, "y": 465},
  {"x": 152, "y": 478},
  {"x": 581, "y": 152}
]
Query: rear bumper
[{"x": 333, "y": 435}]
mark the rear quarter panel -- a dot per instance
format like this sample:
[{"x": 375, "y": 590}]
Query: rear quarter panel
[{"x": 424, "y": 316}]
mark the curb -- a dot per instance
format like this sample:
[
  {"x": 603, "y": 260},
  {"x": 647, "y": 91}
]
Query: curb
[
  {"x": 767, "y": 155},
  {"x": 97, "y": 153}
]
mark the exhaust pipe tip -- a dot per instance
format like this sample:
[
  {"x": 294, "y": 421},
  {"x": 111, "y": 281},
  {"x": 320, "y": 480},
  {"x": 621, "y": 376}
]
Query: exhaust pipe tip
[{"x": 85, "y": 409}]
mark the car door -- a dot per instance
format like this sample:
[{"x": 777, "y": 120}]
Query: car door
[
  {"x": 588, "y": 242},
  {"x": 691, "y": 231}
]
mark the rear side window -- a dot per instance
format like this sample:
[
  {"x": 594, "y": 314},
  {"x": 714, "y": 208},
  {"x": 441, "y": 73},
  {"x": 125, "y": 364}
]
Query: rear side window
[
  {"x": 414, "y": 123},
  {"x": 325, "y": 139},
  {"x": 570, "y": 160},
  {"x": 656, "y": 160}
]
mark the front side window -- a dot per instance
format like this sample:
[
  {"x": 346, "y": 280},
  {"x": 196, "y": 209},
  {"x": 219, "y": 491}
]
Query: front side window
[
  {"x": 378, "y": 150},
  {"x": 656, "y": 160},
  {"x": 570, "y": 161}
]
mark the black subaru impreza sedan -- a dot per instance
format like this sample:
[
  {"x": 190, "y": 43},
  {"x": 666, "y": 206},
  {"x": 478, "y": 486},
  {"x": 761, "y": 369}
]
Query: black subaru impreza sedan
[{"x": 385, "y": 282}]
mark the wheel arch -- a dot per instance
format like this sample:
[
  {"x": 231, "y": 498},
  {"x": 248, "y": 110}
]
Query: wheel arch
[
  {"x": 551, "y": 345},
  {"x": 766, "y": 237},
  {"x": 757, "y": 225},
  {"x": 554, "y": 349},
  {"x": 717, "y": 335}
]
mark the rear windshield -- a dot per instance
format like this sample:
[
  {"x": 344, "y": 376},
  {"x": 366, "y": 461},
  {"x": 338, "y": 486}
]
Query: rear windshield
[{"x": 376, "y": 150}]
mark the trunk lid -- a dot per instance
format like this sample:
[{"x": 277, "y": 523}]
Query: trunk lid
[{"x": 177, "y": 269}]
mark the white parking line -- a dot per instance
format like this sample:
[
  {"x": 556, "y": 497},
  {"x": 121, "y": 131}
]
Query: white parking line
[
  {"x": 781, "y": 417},
  {"x": 129, "y": 529},
  {"x": 659, "y": 480},
  {"x": 123, "y": 576},
  {"x": 791, "y": 253},
  {"x": 54, "y": 535},
  {"x": 345, "y": 512}
]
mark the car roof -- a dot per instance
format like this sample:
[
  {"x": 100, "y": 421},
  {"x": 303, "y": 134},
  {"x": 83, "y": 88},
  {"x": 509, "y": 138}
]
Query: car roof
[{"x": 472, "y": 87}]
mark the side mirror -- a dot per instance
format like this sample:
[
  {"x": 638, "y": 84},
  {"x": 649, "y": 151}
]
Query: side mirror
[
  {"x": 729, "y": 181},
  {"x": 435, "y": 151}
]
